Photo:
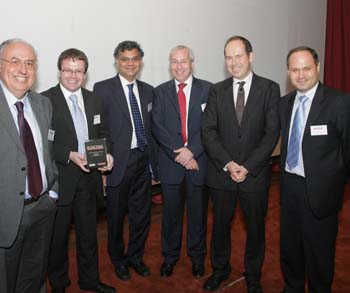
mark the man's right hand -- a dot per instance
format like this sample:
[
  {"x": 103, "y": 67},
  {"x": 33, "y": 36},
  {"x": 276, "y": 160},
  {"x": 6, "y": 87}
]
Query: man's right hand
[{"x": 79, "y": 160}]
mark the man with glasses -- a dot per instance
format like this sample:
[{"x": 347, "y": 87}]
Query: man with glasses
[
  {"x": 177, "y": 116},
  {"x": 128, "y": 104},
  {"x": 28, "y": 176},
  {"x": 78, "y": 116}
]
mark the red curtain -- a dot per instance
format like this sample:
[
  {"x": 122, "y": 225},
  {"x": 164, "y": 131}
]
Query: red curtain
[{"x": 337, "y": 54}]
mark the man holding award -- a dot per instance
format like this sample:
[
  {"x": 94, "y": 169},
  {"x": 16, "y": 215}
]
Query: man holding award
[{"x": 77, "y": 118}]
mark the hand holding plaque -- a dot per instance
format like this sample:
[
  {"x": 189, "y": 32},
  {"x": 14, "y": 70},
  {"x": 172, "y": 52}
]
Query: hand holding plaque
[{"x": 96, "y": 153}]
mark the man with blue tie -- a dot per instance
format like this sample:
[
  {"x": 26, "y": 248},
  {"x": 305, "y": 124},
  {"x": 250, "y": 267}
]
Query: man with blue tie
[
  {"x": 28, "y": 175},
  {"x": 314, "y": 155},
  {"x": 128, "y": 104},
  {"x": 77, "y": 117},
  {"x": 177, "y": 117}
]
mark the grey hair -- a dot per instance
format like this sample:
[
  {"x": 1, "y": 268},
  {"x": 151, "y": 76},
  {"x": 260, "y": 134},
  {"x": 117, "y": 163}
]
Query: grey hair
[
  {"x": 8, "y": 42},
  {"x": 182, "y": 47}
]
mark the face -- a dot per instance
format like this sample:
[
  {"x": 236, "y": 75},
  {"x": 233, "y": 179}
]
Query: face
[
  {"x": 72, "y": 74},
  {"x": 181, "y": 64},
  {"x": 238, "y": 62},
  {"x": 18, "y": 68},
  {"x": 129, "y": 64},
  {"x": 303, "y": 72}
]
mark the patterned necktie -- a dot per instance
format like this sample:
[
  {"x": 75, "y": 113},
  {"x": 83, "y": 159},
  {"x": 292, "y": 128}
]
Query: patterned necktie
[
  {"x": 296, "y": 134},
  {"x": 136, "y": 116},
  {"x": 35, "y": 184},
  {"x": 182, "y": 105},
  {"x": 80, "y": 126},
  {"x": 240, "y": 102}
]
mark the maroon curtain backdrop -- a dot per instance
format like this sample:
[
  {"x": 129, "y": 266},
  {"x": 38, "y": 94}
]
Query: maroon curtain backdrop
[{"x": 337, "y": 55}]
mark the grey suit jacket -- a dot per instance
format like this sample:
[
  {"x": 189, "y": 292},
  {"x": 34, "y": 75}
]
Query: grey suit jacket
[{"x": 13, "y": 164}]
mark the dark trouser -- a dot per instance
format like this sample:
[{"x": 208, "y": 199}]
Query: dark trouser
[
  {"x": 307, "y": 243},
  {"x": 83, "y": 209},
  {"x": 26, "y": 259},
  {"x": 132, "y": 196},
  {"x": 254, "y": 206},
  {"x": 173, "y": 210}
]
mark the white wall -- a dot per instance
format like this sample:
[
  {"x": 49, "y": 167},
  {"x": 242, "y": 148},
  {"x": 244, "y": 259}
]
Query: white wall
[{"x": 96, "y": 27}]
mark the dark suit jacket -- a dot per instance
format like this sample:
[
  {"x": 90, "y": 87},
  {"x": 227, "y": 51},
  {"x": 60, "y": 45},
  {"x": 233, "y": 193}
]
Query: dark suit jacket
[
  {"x": 249, "y": 144},
  {"x": 65, "y": 140},
  {"x": 166, "y": 128},
  {"x": 325, "y": 156},
  {"x": 13, "y": 165},
  {"x": 119, "y": 121}
]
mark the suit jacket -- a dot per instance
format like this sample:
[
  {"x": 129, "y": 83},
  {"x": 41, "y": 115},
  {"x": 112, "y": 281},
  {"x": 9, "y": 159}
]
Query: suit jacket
[
  {"x": 249, "y": 144},
  {"x": 13, "y": 164},
  {"x": 324, "y": 156},
  {"x": 119, "y": 121},
  {"x": 65, "y": 140},
  {"x": 166, "y": 128}
]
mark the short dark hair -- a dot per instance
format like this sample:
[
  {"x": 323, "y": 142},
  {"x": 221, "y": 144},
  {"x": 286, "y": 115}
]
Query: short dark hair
[
  {"x": 247, "y": 45},
  {"x": 73, "y": 54},
  {"x": 127, "y": 45},
  {"x": 303, "y": 48}
]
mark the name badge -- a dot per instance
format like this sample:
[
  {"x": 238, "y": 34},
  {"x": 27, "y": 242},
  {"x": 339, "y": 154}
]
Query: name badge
[
  {"x": 97, "y": 119},
  {"x": 51, "y": 135},
  {"x": 317, "y": 130},
  {"x": 149, "y": 107},
  {"x": 203, "y": 106}
]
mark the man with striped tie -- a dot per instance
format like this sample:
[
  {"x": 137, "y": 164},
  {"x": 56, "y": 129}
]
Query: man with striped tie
[{"x": 77, "y": 117}]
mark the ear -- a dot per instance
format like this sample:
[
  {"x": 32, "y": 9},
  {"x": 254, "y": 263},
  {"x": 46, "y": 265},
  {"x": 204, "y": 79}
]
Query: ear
[{"x": 251, "y": 57}]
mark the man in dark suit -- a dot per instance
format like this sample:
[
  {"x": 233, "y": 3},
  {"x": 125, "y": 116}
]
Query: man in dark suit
[
  {"x": 177, "y": 117},
  {"x": 28, "y": 174},
  {"x": 314, "y": 153},
  {"x": 128, "y": 103},
  {"x": 79, "y": 186},
  {"x": 240, "y": 130}
]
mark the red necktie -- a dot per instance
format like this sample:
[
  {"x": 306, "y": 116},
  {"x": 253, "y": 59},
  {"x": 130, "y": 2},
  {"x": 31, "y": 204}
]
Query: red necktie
[
  {"x": 182, "y": 106},
  {"x": 35, "y": 184}
]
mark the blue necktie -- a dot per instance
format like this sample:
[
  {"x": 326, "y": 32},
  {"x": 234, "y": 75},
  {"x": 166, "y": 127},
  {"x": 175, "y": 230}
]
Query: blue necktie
[
  {"x": 296, "y": 134},
  {"x": 136, "y": 116},
  {"x": 79, "y": 124}
]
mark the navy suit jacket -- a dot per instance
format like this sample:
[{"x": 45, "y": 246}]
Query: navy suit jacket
[
  {"x": 250, "y": 143},
  {"x": 325, "y": 156},
  {"x": 65, "y": 140},
  {"x": 166, "y": 128},
  {"x": 120, "y": 125}
]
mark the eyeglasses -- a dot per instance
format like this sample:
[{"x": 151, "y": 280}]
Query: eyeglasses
[
  {"x": 180, "y": 62},
  {"x": 71, "y": 72},
  {"x": 16, "y": 62},
  {"x": 132, "y": 59}
]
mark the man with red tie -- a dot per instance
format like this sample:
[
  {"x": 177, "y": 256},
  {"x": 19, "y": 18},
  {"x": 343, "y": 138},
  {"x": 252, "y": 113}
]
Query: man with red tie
[{"x": 177, "y": 114}]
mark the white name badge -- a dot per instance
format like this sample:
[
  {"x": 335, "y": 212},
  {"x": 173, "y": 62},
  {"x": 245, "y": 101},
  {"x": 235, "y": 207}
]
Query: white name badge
[
  {"x": 97, "y": 119},
  {"x": 203, "y": 106},
  {"x": 149, "y": 107},
  {"x": 51, "y": 135},
  {"x": 318, "y": 130}
]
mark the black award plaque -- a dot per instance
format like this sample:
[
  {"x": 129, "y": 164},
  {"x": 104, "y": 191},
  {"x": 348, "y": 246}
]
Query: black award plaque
[{"x": 96, "y": 153}]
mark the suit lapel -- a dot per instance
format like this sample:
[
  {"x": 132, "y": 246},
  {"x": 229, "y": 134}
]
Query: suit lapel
[
  {"x": 252, "y": 99},
  {"x": 89, "y": 109},
  {"x": 7, "y": 120},
  {"x": 288, "y": 114},
  {"x": 144, "y": 105},
  {"x": 63, "y": 109},
  {"x": 194, "y": 97},
  {"x": 228, "y": 105},
  {"x": 174, "y": 100},
  {"x": 120, "y": 97},
  {"x": 315, "y": 109}
]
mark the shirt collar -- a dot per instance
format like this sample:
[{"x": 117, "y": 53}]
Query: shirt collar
[
  {"x": 10, "y": 98},
  {"x": 68, "y": 93},
  {"x": 188, "y": 81},
  {"x": 125, "y": 82},
  {"x": 247, "y": 79},
  {"x": 310, "y": 93}
]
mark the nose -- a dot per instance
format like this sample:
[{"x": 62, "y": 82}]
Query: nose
[{"x": 22, "y": 67}]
